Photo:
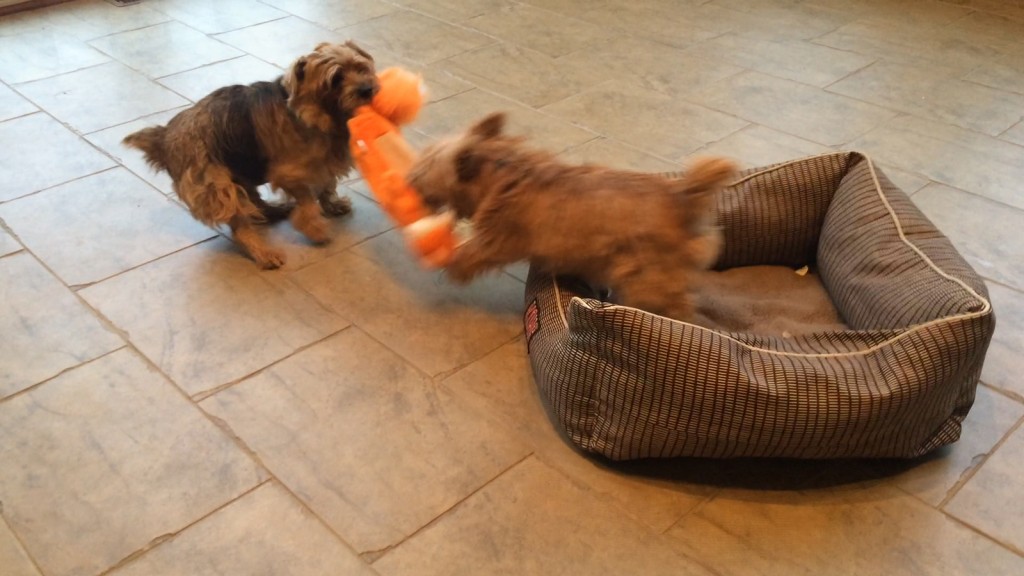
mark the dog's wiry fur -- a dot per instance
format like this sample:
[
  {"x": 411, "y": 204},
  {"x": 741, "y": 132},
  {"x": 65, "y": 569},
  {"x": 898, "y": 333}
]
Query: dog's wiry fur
[
  {"x": 291, "y": 133},
  {"x": 642, "y": 235}
]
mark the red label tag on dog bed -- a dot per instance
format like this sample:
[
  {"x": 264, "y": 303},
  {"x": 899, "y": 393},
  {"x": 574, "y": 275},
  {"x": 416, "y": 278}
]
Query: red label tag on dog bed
[{"x": 531, "y": 322}]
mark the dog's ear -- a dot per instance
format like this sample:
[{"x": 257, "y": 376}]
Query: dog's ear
[
  {"x": 293, "y": 77},
  {"x": 490, "y": 127},
  {"x": 355, "y": 47},
  {"x": 468, "y": 165}
]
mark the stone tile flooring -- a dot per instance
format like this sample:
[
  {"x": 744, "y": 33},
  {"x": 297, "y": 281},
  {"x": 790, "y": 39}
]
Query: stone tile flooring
[{"x": 167, "y": 408}]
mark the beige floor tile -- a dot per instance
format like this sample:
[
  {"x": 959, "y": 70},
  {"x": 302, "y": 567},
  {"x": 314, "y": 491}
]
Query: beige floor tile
[
  {"x": 1003, "y": 76},
  {"x": 533, "y": 520},
  {"x": 413, "y": 37},
  {"x": 538, "y": 29},
  {"x": 756, "y": 146},
  {"x": 107, "y": 457},
  {"x": 455, "y": 114},
  {"x": 650, "y": 64},
  {"x": 935, "y": 94},
  {"x": 432, "y": 323},
  {"x": 86, "y": 19},
  {"x": 369, "y": 443},
  {"x": 280, "y": 42},
  {"x": 991, "y": 418},
  {"x": 100, "y": 97},
  {"x": 648, "y": 120},
  {"x": 793, "y": 60},
  {"x": 42, "y": 54},
  {"x": 793, "y": 22},
  {"x": 334, "y": 14},
  {"x": 774, "y": 10},
  {"x": 454, "y": 10},
  {"x": 208, "y": 315},
  {"x": 989, "y": 500},
  {"x": 999, "y": 7},
  {"x": 1004, "y": 365},
  {"x": 985, "y": 232},
  {"x": 366, "y": 221},
  {"x": 794, "y": 108},
  {"x": 998, "y": 32},
  {"x": 101, "y": 225},
  {"x": 614, "y": 154},
  {"x": 164, "y": 49},
  {"x": 926, "y": 43},
  {"x": 850, "y": 530},
  {"x": 28, "y": 169},
  {"x": 907, "y": 14},
  {"x": 439, "y": 83},
  {"x": 961, "y": 158},
  {"x": 8, "y": 245},
  {"x": 502, "y": 385},
  {"x": 521, "y": 74},
  {"x": 216, "y": 17},
  {"x": 907, "y": 181},
  {"x": 264, "y": 532},
  {"x": 12, "y": 556},
  {"x": 196, "y": 84},
  {"x": 13, "y": 105},
  {"x": 662, "y": 22},
  {"x": 46, "y": 329},
  {"x": 83, "y": 19},
  {"x": 1015, "y": 134}
]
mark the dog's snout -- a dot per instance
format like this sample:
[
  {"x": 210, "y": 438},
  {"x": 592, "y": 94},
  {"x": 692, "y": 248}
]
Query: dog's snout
[{"x": 366, "y": 91}]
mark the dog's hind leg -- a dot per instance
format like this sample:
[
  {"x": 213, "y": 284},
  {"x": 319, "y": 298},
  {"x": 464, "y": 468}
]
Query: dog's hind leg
[
  {"x": 270, "y": 212},
  {"x": 657, "y": 290},
  {"x": 246, "y": 234}
]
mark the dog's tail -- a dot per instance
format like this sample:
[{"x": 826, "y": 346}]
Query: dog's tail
[
  {"x": 698, "y": 189},
  {"x": 704, "y": 178},
  {"x": 151, "y": 142}
]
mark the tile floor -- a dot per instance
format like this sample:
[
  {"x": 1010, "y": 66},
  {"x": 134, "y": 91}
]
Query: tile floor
[{"x": 167, "y": 408}]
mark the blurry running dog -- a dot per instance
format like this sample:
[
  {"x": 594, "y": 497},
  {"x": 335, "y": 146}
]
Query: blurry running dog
[
  {"x": 642, "y": 235},
  {"x": 291, "y": 132}
]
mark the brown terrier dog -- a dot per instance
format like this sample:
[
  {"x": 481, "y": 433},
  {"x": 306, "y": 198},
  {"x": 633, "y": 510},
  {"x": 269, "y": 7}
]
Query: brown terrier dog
[
  {"x": 642, "y": 235},
  {"x": 291, "y": 132}
]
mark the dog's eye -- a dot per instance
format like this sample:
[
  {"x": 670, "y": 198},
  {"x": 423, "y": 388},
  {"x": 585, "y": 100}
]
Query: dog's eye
[{"x": 336, "y": 80}]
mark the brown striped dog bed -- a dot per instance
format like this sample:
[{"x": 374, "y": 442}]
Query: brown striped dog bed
[{"x": 883, "y": 363}]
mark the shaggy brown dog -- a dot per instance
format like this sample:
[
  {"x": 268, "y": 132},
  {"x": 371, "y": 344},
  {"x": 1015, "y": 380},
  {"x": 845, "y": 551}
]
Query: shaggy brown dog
[
  {"x": 291, "y": 132},
  {"x": 642, "y": 235}
]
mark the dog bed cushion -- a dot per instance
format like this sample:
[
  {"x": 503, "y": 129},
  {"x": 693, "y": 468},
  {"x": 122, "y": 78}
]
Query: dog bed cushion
[{"x": 885, "y": 363}]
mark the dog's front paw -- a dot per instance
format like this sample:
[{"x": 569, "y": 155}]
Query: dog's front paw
[
  {"x": 269, "y": 258},
  {"x": 335, "y": 206},
  {"x": 318, "y": 231}
]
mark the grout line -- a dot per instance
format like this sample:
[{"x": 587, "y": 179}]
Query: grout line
[
  {"x": 378, "y": 554},
  {"x": 32, "y": 387},
  {"x": 975, "y": 467},
  {"x": 202, "y": 395},
  {"x": 1004, "y": 545},
  {"x": 21, "y": 544},
  {"x": 170, "y": 536}
]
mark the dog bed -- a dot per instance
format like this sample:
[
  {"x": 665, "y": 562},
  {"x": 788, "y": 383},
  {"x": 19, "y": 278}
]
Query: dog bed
[{"x": 884, "y": 361}]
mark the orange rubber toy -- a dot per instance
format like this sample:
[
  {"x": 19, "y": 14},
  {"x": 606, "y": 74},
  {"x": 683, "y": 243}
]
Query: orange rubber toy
[{"x": 383, "y": 157}]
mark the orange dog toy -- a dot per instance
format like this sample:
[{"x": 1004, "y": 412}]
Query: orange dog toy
[{"x": 384, "y": 158}]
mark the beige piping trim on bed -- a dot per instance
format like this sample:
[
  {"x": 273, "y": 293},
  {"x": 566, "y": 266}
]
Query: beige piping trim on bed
[{"x": 986, "y": 308}]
